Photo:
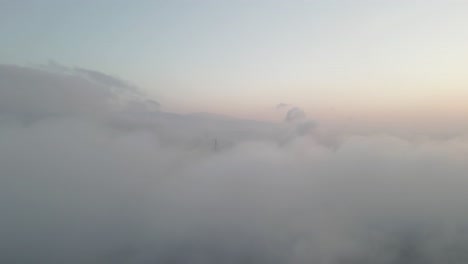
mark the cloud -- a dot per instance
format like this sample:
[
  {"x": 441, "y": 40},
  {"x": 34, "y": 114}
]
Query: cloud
[
  {"x": 143, "y": 106},
  {"x": 29, "y": 91},
  {"x": 294, "y": 114},
  {"x": 281, "y": 105},
  {"x": 105, "y": 79},
  {"x": 133, "y": 187},
  {"x": 305, "y": 128},
  {"x": 54, "y": 90}
]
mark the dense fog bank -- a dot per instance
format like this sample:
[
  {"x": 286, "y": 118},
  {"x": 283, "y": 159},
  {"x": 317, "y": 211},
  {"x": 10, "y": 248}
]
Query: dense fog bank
[{"x": 92, "y": 171}]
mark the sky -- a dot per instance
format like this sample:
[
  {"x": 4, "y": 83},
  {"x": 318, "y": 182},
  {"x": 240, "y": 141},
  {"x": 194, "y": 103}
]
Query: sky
[
  {"x": 391, "y": 61},
  {"x": 349, "y": 142}
]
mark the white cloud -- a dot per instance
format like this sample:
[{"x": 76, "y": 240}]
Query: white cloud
[{"x": 146, "y": 187}]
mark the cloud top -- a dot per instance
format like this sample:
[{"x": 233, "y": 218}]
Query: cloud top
[{"x": 137, "y": 185}]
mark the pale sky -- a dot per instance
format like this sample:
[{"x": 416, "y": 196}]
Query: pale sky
[{"x": 375, "y": 59}]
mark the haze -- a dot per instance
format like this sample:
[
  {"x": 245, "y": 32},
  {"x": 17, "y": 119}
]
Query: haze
[{"x": 325, "y": 132}]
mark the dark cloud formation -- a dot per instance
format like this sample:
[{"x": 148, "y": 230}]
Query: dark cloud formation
[{"x": 91, "y": 180}]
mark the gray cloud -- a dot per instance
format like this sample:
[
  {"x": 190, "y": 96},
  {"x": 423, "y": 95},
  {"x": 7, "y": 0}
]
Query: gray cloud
[
  {"x": 281, "y": 106},
  {"x": 105, "y": 79},
  {"x": 55, "y": 90},
  {"x": 305, "y": 128},
  {"x": 133, "y": 187},
  {"x": 294, "y": 114},
  {"x": 29, "y": 91}
]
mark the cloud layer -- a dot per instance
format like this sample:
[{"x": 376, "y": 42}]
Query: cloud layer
[{"x": 86, "y": 178}]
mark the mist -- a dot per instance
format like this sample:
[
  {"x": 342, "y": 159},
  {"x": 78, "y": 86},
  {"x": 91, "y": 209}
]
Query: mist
[{"x": 94, "y": 171}]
